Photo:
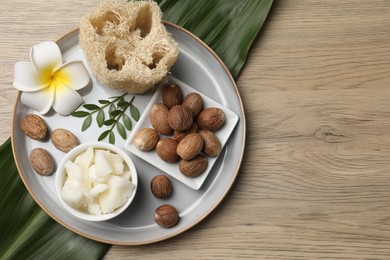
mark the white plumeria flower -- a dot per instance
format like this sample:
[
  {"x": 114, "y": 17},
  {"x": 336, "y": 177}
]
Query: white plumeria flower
[{"x": 46, "y": 82}]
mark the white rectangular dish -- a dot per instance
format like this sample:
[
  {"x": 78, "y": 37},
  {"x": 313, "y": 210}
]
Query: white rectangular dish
[{"x": 172, "y": 169}]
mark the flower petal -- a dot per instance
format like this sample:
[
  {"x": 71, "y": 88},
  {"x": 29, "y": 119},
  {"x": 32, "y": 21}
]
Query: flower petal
[
  {"x": 73, "y": 74},
  {"x": 26, "y": 77},
  {"x": 40, "y": 100},
  {"x": 66, "y": 100},
  {"x": 46, "y": 56}
]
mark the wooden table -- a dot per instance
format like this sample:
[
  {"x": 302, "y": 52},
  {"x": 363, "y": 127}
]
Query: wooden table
[{"x": 315, "y": 179}]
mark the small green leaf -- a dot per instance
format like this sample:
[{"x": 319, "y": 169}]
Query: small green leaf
[
  {"x": 111, "y": 138},
  {"x": 103, "y": 101},
  {"x": 115, "y": 112},
  {"x": 111, "y": 108},
  {"x": 122, "y": 104},
  {"x": 80, "y": 114},
  {"x": 103, "y": 135},
  {"x": 91, "y": 106},
  {"x": 109, "y": 122},
  {"x": 100, "y": 118},
  {"x": 121, "y": 130},
  {"x": 86, "y": 123},
  {"x": 134, "y": 112},
  {"x": 127, "y": 122}
]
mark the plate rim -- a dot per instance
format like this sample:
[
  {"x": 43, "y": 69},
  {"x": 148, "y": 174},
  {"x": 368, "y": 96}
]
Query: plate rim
[{"x": 242, "y": 122}]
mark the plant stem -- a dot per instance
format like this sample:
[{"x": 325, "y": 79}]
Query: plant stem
[
  {"x": 122, "y": 112},
  {"x": 110, "y": 103}
]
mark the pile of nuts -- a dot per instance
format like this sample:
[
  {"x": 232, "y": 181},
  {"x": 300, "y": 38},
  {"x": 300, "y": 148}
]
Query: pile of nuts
[
  {"x": 187, "y": 129},
  {"x": 40, "y": 160},
  {"x": 187, "y": 134}
]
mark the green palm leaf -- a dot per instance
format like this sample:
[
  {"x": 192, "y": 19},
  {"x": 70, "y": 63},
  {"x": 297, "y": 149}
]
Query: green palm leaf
[
  {"x": 228, "y": 27},
  {"x": 27, "y": 232}
]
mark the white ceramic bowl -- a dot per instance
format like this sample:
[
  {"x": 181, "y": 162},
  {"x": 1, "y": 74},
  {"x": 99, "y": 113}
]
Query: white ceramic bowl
[{"x": 61, "y": 176}]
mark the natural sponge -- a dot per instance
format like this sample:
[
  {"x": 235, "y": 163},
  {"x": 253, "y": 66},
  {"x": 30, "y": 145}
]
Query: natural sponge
[{"x": 127, "y": 46}]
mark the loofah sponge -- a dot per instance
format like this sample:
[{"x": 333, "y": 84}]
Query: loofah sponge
[{"x": 127, "y": 46}]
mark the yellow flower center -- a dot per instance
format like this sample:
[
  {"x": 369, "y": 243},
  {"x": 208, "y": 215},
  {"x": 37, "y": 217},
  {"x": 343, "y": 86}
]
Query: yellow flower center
[{"x": 56, "y": 80}]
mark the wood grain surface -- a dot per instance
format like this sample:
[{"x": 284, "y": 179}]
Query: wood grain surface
[{"x": 315, "y": 179}]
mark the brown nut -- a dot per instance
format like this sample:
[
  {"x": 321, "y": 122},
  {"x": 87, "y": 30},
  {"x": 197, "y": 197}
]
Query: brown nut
[
  {"x": 166, "y": 150},
  {"x": 166, "y": 216},
  {"x": 159, "y": 119},
  {"x": 34, "y": 127},
  {"x": 41, "y": 161},
  {"x": 194, "y": 167},
  {"x": 194, "y": 102},
  {"x": 146, "y": 139},
  {"x": 180, "y": 118},
  {"x": 161, "y": 187},
  {"x": 212, "y": 146},
  {"x": 172, "y": 95},
  {"x": 179, "y": 135},
  {"x": 190, "y": 146},
  {"x": 64, "y": 140},
  {"x": 211, "y": 119}
]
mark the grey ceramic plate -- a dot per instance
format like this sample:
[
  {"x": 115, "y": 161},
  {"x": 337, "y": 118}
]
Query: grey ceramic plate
[{"x": 197, "y": 66}]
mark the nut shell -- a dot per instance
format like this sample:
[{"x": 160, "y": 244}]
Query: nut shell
[
  {"x": 41, "y": 161},
  {"x": 146, "y": 139},
  {"x": 180, "y": 118},
  {"x": 194, "y": 102},
  {"x": 190, "y": 146},
  {"x": 159, "y": 119},
  {"x": 212, "y": 146},
  {"x": 34, "y": 127},
  {"x": 211, "y": 119},
  {"x": 194, "y": 167},
  {"x": 166, "y": 150},
  {"x": 64, "y": 140},
  {"x": 161, "y": 186},
  {"x": 166, "y": 216},
  {"x": 172, "y": 95}
]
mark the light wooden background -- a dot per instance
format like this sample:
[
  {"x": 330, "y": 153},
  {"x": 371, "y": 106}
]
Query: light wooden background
[{"x": 315, "y": 179}]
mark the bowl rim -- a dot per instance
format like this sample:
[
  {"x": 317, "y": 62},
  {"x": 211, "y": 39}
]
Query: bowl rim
[{"x": 60, "y": 172}]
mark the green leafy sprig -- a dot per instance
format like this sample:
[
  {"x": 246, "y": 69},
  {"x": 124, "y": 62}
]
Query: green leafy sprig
[{"x": 117, "y": 117}]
